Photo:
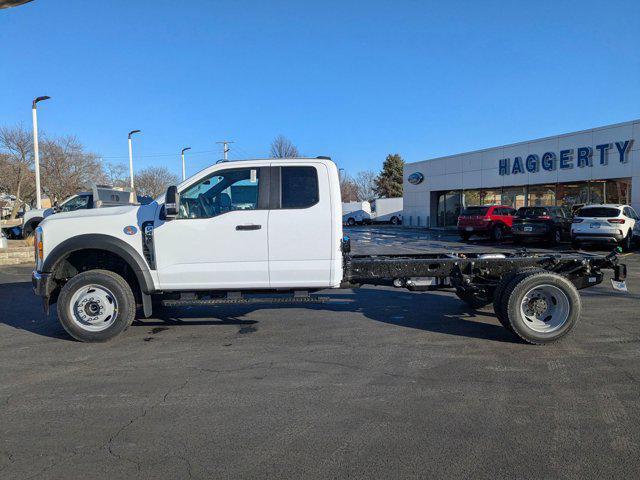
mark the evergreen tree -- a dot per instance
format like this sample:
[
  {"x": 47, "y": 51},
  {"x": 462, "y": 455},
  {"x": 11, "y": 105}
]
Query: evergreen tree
[{"x": 389, "y": 182}]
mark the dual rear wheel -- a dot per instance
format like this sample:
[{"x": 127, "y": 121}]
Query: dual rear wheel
[{"x": 536, "y": 305}]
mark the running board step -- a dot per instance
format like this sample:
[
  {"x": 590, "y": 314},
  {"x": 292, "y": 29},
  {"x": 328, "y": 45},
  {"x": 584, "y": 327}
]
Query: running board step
[{"x": 250, "y": 300}]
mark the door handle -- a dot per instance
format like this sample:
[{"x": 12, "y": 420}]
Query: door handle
[{"x": 248, "y": 227}]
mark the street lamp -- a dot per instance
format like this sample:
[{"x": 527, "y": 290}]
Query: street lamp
[
  {"x": 36, "y": 152},
  {"x": 183, "y": 168},
  {"x": 131, "y": 157}
]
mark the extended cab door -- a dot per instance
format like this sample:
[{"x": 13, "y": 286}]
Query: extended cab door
[
  {"x": 300, "y": 226},
  {"x": 219, "y": 240}
]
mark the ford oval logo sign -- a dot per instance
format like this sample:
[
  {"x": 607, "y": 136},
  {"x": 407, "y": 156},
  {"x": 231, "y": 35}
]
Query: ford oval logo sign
[{"x": 415, "y": 178}]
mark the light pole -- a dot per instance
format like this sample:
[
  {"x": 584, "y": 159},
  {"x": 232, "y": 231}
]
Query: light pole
[
  {"x": 131, "y": 157},
  {"x": 36, "y": 152},
  {"x": 183, "y": 167}
]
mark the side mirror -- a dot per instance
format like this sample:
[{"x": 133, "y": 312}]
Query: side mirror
[{"x": 171, "y": 203}]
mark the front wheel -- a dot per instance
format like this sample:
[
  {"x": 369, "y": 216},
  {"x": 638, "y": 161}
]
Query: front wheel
[
  {"x": 351, "y": 221},
  {"x": 96, "y": 305}
]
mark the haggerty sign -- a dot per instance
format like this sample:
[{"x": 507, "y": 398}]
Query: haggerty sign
[{"x": 566, "y": 159}]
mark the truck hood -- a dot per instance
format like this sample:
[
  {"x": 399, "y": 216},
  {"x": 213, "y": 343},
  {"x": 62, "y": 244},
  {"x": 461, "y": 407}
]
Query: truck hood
[{"x": 99, "y": 217}]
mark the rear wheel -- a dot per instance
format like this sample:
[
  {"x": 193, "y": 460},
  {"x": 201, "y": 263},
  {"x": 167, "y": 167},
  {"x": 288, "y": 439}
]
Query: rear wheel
[
  {"x": 542, "y": 307},
  {"x": 517, "y": 239},
  {"x": 497, "y": 233},
  {"x": 96, "y": 305},
  {"x": 627, "y": 242},
  {"x": 575, "y": 244},
  {"x": 394, "y": 221},
  {"x": 501, "y": 288},
  {"x": 351, "y": 221},
  {"x": 556, "y": 237},
  {"x": 465, "y": 236}
]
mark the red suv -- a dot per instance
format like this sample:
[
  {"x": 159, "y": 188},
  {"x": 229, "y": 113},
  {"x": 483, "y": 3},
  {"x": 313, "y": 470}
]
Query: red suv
[{"x": 490, "y": 220}]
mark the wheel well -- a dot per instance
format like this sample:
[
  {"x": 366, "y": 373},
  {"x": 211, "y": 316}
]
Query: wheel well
[
  {"x": 93, "y": 259},
  {"x": 32, "y": 223}
]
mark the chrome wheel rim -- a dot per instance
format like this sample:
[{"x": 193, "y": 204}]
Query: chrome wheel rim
[
  {"x": 545, "y": 308},
  {"x": 93, "y": 308}
]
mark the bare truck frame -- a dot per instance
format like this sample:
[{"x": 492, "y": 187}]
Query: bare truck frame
[{"x": 534, "y": 295}]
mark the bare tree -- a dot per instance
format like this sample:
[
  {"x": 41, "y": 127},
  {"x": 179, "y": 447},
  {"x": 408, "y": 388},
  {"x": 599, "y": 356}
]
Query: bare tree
[
  {"x": 153, "y": 181},
  {"x": 365, "y": 183},
  {"x": 348, "y": 188},
  {"x": 281, "y": 147},
  {"x": 116, "y": 174},
  {"x": 17, "y": 145},
  {"x": 67, "y": 168}
]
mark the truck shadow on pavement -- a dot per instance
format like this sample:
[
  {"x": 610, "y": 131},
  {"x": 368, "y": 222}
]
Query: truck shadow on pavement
[{"x": 436, "y": 312}]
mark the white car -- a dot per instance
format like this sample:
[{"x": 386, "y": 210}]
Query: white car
[{"x": 609, "y": 223}]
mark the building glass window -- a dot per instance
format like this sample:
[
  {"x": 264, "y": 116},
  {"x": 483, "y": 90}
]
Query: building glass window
[
  {"x": 449, "y": 207},
  {"x": 514, "y": 197},
  {"x": 542, "y": 195},
  {"x": 570, "y": 194},
  {"x": 618, "y": 191},
  {"x": 492, "y": 197},
  {"x": 472, "y": 198}
]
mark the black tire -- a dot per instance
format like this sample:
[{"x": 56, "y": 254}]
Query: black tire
[
  {"x": 627, "y": 242},
  {"x": 394, "y": 221},
  {"x": 497, "y": 233},
  {"x": 556, "y": 236},
  {"x": 474, "y": 300},
  {"x": 575, "y": 244},
  {"x": 500, "y": 289},
  {"x": 351, "y": 221},
  {"x": 121, "y": 296},
  {"x": 517, "y": 239},
  {"x": 522, "y": 325},
  {"x": 465, "y": 236}
]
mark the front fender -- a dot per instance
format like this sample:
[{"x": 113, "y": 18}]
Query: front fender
[{"x": 96, "y": 241}]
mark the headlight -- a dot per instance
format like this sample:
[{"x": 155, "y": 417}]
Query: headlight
[{"x": 38, "y": 247}]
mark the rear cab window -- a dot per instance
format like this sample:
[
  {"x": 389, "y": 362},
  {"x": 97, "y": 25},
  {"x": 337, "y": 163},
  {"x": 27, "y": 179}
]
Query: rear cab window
[{"x": 299, "y": 187}]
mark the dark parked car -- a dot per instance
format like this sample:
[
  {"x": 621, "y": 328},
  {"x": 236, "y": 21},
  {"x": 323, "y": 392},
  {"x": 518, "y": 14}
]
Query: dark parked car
[
  {"x": 547, "y": 223},
  {"x": 490, "y": 220}
]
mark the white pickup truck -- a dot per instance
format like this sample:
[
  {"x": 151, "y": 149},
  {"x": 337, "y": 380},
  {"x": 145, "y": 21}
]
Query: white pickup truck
[{"x": 270, "y": 231}]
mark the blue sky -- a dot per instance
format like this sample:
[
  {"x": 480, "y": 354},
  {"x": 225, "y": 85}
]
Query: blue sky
[{"x": 350, "y": 79}]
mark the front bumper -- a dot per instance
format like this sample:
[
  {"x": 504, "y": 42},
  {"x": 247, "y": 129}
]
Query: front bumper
[{"x": 42, "y": 284}]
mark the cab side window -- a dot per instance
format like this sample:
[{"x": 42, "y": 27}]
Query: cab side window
[
  {"x": 224, "y": 191},
  {"x": 299, "y": 187}
]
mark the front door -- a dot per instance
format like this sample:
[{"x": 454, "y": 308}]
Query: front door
[{"x": 219, "y": 240}]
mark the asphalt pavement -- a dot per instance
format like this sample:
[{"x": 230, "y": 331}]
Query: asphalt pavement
[{"x": 378, "y": 383}]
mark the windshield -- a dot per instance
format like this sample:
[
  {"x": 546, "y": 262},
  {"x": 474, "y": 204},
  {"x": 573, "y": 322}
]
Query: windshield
[
  {"x": 473, "y": 211},
  {"x": 598, "y": 212}
]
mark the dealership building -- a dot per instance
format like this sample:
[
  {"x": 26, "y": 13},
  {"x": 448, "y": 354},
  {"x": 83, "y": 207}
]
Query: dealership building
[{"x": 600, "y": 165}]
